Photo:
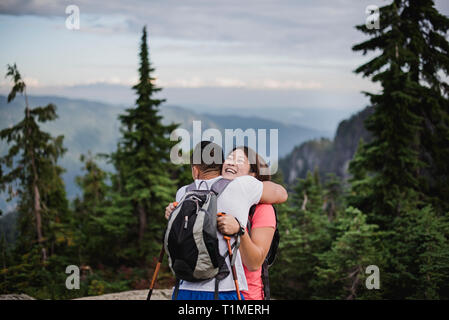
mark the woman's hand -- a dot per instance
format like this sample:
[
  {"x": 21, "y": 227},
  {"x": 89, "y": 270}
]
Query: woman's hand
[
  {"x": 169, "y": 209},
  {"x": 227, "y": 224}
]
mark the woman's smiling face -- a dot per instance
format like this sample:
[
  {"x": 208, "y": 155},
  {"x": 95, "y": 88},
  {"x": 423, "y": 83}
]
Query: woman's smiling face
[{"x": 235, "y": 165}]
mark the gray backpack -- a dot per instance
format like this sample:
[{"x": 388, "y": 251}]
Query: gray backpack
[{"x": 190, "y": 239}]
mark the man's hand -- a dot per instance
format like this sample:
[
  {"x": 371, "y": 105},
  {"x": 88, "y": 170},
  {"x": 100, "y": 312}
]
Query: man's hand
[
  {"x": 169, "y": 209},
  {"x": 227, "y": 224}
]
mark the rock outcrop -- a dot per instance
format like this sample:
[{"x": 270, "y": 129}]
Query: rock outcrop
[
  {"x": 158, "y": 294},
  {"x": 20, "y": 296},
  {"x": 329, "y": 156}
]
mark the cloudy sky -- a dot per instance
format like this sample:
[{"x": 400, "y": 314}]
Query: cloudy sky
[{"x": 290, "y": 53}]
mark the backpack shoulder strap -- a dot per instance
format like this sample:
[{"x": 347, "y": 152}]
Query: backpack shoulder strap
[
  {"x": 191, "y": 187},
  {"x": 276, "y": 215},
  {"x": 252, "y": 210},
  {"x": 219, "y": 186},
  {"x": 175, "y": 292},
  {"x": 265, "y": 281}
]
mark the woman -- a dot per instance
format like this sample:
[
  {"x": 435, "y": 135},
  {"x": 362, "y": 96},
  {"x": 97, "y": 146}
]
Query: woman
[{"x": 253, "y": 248}]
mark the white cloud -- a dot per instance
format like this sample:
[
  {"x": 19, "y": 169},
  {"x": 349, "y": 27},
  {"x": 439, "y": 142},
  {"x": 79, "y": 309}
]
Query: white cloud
[
  {"x": 32, "y": 82},
  {"x": 230, "y": 83},
  {"x": 197, "y": 82},
  {"x": 268, "y": 44},
  {"x": 275, "y": 84}
]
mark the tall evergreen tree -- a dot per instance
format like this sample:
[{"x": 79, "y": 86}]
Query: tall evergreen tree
[
  {"x": 410, "y": 122},
  {"x": 142, "y": 157},
  {"x": 426, "y": 55},
  {"x": 34, "y": 175},
  {"x": 401, "y": 171}
]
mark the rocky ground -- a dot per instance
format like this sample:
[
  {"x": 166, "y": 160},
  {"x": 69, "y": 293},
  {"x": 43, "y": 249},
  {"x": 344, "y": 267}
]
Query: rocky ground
[
  {"x": 158, "y": 294},
  {"x": 21, "y": 296}
]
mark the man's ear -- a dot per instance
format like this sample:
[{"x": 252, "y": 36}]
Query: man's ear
[{"x": 195, "y": 172}]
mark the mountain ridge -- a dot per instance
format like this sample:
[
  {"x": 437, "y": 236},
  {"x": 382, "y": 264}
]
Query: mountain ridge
[
  {"x": 329, "y": 156},
  {"x": 92, "y": 125}
]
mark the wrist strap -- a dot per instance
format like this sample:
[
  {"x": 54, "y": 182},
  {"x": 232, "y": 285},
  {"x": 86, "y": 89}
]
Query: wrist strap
[{"x": 241, "y": 229}]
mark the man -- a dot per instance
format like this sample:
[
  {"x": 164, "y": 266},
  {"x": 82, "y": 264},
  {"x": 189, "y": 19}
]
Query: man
[{"x": 238, "y": 197}]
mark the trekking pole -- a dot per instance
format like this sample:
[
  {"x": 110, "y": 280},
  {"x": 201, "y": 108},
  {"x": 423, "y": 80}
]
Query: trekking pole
[
  {"x": 234, "y": 272},
  {"x": 158, "y": 265},
  {"x": 156, "y": 271}
]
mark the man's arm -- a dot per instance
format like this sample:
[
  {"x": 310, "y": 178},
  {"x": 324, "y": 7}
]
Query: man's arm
[
  {"x": 180, "y": 193},
  {"x": 273, "y": 193}
]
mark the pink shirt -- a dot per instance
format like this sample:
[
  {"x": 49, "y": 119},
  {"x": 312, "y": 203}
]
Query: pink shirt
[{"x": 263, "y": 217}]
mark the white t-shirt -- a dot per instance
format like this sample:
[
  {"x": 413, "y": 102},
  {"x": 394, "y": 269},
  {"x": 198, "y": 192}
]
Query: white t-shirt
[{"x": 236, "y": 200}]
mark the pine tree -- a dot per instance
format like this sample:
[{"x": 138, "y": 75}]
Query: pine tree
[
  {"x": 93, "y": 184},
  {"x": 393, "y": 155},
  {"x": 305, "y": 231},
  {"x": 426, "y": 54},
  {"x": 420, "y": 257},
  {"x": 426, "y": 57},
  {"x": 34, "y": 175},
  {"x": 142, "y": 157},
  {"x": 332, "y": 195},
  {"x": 89, "y": 207},
  {"x": 308, "y": 192},
  {"x": 359, "y": 194},
  {"x": 341, "y": 269},
  {"x": 3, "y": 257},
  {"x": 410, "y": 122},
  {"x": 404, "y": 168}
]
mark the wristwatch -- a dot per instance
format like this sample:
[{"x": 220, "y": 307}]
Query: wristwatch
[{"x": 241, "y": 231}]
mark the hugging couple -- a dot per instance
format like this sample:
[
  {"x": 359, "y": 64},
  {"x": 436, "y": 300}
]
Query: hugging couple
[{"x": 250, "y": 186}]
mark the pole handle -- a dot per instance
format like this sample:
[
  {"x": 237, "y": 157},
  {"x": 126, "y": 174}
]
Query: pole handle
[{"x": 220, "y": 214}]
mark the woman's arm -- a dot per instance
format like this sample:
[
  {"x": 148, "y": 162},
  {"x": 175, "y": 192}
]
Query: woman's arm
[
  {"x": 254, "y": 249},
  {"x": 273, "y": 193}
]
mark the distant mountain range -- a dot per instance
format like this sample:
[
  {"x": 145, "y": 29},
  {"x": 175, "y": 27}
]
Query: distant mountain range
[
  {"x": 318, "y": 109},
  {"x": 90, "y": 125}
]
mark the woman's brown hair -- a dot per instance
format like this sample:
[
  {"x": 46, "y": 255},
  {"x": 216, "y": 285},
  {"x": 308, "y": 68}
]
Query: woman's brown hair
[{"x": 256, "y": 163}]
